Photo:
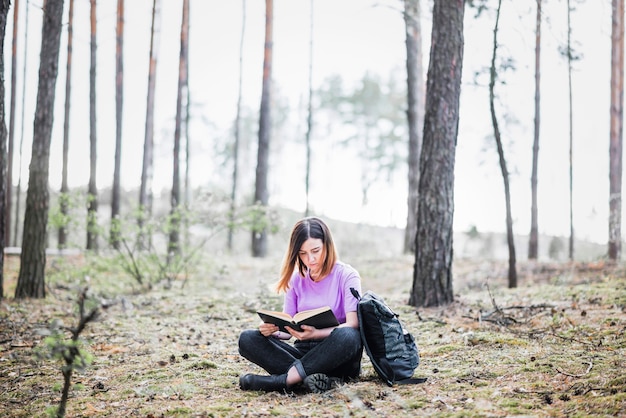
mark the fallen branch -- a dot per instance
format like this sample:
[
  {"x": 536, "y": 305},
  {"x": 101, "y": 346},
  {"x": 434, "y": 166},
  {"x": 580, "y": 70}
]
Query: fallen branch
[{"x": 577, "y": 375}]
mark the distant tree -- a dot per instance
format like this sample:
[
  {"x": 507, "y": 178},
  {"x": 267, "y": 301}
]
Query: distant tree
[
  {"x": 4, "y": 11},
  {"x": 309, "y": 119},
  {"x": 64, "y": 197},
  {"x": 9, "y": 194},
  {"x": 119, "y": 107},
  {"x": 237, "y": 139},
  {"x": 18, "y": 192},
  {"x": 432, "y": 272},
  {"x": 261, "y": 193},
  {"x": 145, "y": 188},
  {"x": 31, "y": 278},
  {"x": 174, "y": 243},
  {"x": 92, "y": 192},
  {"x": 415, "y": 114},
  {"x": 373, "y": 117},
  {"x": 533, "y": 242},
  {"x": 493, "y": 76},
  {"x": 617, "y": 112}
]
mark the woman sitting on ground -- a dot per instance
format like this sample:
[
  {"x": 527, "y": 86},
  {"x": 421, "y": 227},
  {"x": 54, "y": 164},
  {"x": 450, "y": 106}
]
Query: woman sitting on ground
[{"x": 311, "y": 277}]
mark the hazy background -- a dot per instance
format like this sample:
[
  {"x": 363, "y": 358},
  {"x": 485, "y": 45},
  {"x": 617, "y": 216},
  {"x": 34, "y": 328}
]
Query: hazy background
[{"x": 351, "y": 37}]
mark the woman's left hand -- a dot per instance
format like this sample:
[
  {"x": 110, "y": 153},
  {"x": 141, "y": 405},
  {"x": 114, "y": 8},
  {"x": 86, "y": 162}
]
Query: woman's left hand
[{"x": 308, "y": 333}]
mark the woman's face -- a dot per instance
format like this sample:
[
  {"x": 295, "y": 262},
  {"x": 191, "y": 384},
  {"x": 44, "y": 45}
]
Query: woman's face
[{"x": 312, "y": 254}]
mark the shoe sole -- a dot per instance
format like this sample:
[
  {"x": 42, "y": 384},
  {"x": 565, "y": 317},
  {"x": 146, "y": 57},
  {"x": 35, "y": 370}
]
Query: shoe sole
[{"x": 319, "y": 383}]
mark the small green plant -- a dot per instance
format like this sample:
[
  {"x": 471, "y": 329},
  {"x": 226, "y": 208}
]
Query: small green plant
[{"x": 69, "y": 351}]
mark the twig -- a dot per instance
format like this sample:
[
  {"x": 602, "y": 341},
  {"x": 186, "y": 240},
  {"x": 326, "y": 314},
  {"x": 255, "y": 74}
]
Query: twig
[{"x": 577, "y": 375}]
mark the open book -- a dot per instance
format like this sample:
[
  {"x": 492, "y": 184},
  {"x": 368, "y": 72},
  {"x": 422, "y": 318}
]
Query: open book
[{"x": 319, "y": 318}]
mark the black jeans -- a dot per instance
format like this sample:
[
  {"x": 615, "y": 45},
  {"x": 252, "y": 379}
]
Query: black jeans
[{"x": 338, "y": 355}]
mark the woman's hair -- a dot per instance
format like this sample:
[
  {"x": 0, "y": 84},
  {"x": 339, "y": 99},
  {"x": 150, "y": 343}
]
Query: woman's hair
[{"x": 304, "y": 229}]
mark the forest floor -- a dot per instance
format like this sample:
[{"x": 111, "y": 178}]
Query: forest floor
[{"x": 554, "y": 346}]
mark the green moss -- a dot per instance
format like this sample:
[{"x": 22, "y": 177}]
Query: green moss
[{"x": 203, "y": 365}]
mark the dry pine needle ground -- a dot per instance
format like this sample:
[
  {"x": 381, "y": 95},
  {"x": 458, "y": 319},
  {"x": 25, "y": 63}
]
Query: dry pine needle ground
[{"x": 553, "y": 347}]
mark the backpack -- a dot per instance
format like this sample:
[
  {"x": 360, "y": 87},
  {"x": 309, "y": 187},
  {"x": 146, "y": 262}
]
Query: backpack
[{"x": 391, "y": 349}]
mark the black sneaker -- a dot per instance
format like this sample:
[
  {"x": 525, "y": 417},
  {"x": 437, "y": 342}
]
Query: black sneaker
[{"x": 319, "y": 382}]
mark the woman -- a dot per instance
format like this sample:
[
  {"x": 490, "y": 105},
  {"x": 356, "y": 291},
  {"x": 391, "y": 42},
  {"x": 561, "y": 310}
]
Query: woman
[{"x": 311, "y": 277}]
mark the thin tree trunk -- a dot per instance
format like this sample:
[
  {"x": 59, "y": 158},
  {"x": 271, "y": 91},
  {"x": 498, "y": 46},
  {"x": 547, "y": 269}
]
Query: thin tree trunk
[
  {"x": 432, "y": 272},
  {"x": 119, "y": 107},
  {"x": 571, "y": 131},
  {"x": 261, "y": 194},
  {"x": 187, "y": 112},
  {"x": 4, "y": 11},
  {"x": 66, "y": 130},
  {"x": 18, "y": 193},
  {"x": 9, "y": 179},
  {"x": 615, "y": 151},
  {"x": 233, "y": 192},
  {"x": 92, "y": 193},
  {"x": 503, "y": 168},
  {"x": 309, "y": 120},
  {"x": 533, "y": 242},
  {"x": 145, "y": 190},
  {"x": 31, "y": 278},
  {"x": 174, "y": 243},
  {"x": 415, "y": 82}
]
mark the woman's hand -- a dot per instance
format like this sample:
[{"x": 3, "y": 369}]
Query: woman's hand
[
  {"x": 267, "y": 329},
  {"x": 308, "y": 333}
]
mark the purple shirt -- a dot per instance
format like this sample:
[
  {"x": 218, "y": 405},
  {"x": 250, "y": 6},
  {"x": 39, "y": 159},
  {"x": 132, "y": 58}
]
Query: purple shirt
[{"x": 334, "y": 291}]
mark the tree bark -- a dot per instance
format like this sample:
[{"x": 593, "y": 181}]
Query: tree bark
[
  {"x": 261, "y": 194},
  {"x": 174, "y": 243},
  {"x": 615, "y": 150},
  {"x": 432, "y": 272},
  {"x": 92, "y": 193},
  {"x": 533, "y": 241},
  {"x": 66, "y": 129},
  {"x": 119, "y": 107},
  {"x": 31, "y": 278},
  {"x": 415, "y": 116},
  {"x": 4, "y": 11}
]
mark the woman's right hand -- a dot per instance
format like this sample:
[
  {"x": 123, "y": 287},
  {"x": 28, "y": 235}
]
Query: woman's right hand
[{"x": 267, "y": 329}]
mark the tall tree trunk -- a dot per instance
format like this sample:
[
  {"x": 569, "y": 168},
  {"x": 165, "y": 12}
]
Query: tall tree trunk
[
  {"x": 92, "y": 193},
  {"x": 615, "y": 151},
  {"x": 174, "y": 243},
  {"x": 66, "y": 130},
  {"x": 187, "y": 113},
  {"x": 432, "y": 273},
  {"x": 31, "y": 278},
  {"x": 415, "y": 87},
  {"x": 570, "y": 58},
  {"x": 533, "y": 242},
  {"x": 9, "y": 179},
  {"x": 119, "y": 106},
  {"x": 233, "y": 192},
  {"x": 503, "y": 168},
  {"x": 4, "y": 11},
  {"x": 145, "y": 189},
  {"x": 309, "y": 119},
  {"x": 261, "y": 194},
  {"x": 18, "y": 193}
]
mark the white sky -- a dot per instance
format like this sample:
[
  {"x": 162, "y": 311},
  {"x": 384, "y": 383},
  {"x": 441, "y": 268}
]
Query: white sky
[{"x": 352, "y": 37}]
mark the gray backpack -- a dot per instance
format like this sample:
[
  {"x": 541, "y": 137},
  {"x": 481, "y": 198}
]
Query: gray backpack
[{"x": 391, "y": 349}]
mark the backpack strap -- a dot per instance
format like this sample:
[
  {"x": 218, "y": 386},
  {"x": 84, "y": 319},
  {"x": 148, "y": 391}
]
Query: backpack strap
[
  {"x": 355, "y": 293},
  {"x": 411, "y": 381}
]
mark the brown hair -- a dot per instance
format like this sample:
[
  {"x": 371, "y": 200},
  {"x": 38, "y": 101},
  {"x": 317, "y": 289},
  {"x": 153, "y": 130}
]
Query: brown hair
[{"x": 304, "y": 229}]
